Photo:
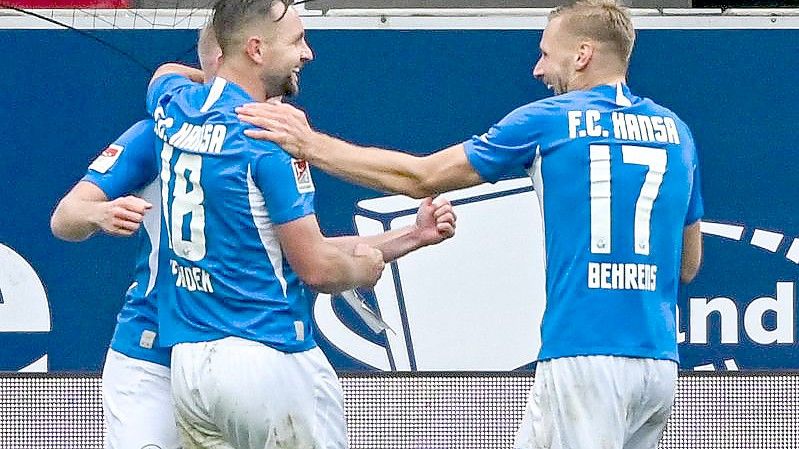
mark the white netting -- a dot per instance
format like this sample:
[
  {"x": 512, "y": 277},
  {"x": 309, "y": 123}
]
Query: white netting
[
  {"x": 191, "y": 15},
  {"x": 141, "y": 14}
]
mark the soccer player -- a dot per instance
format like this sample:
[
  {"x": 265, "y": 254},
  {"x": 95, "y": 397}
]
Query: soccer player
[
  {"x": 246, "y": 250},
  {"x": 618, "y": 182},
  {"x": 120, "y": 195}
]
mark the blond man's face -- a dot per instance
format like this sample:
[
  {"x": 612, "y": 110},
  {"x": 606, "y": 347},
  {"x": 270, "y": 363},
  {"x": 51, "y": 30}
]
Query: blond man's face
[{"x": 556, "y": 65}]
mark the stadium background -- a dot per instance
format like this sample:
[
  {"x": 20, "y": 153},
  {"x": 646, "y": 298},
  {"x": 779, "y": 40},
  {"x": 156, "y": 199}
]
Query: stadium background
[{"x": 416, "y": 82}]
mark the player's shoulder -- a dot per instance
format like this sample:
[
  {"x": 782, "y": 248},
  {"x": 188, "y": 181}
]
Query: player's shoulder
[
  {"x": 139, "y": 134},
  {"x": 166, "y": 86},
  {"x": 213, "y": 106},
  {"x": 533, "y": 112},
  {"x": 651, "y": 107},
  {"x": 236, "y": 139},
  {"x": 143, "y": 125},
  {"x": 225, "y": 113},
  {"x": 233, "y": 97}
]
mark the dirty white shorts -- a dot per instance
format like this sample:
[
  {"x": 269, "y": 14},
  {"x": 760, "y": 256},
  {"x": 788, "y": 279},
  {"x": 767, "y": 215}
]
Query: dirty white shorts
[
  {"x": 137, "y": 404},
  {"x": 240, "y": 394},
  {"x": 598, "y": 402}
]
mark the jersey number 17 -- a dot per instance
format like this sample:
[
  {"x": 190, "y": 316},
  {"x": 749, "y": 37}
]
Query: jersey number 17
[{"x": 655, "y": 160}]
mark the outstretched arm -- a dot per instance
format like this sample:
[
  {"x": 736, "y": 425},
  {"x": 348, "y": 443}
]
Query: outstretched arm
[
  {"x": 386, "y": 170},
  {"x": 435, "y": 222}
]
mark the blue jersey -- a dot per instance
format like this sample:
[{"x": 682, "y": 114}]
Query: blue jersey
[
  {"x": 129, "y": 166},
  {"x": 617, "y": 180},
  {"x": 223, "y": 194}
]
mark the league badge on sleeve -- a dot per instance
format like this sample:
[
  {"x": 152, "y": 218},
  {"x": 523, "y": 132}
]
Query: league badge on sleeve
[
  {"x": 302, "y": 175},
  {"x": 107, "y": 158}
]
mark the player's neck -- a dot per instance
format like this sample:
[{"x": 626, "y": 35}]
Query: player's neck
[
  {"x": 590, "y": 82},
  {"x": 244, "y": 79}
]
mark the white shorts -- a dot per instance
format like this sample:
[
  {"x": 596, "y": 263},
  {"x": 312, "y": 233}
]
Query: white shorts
[
  {"x": 598, "y": 402},
  {"x": 240, "y": 394},
  {"x": 137, "y": 404}
]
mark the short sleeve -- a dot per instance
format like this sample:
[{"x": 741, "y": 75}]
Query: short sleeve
[
  {"x": 509, "y": 146},
  {"x": 128, "y": 164},
  {"x": 696, "y": 205},
  {"x": 285, "y": 183},
  {"x": 162, "y": 85}
]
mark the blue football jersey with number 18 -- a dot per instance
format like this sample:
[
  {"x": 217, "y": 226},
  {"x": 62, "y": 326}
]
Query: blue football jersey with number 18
[
  {"x": 222, "y": 195},
  {"x": 617, "y": 180}
]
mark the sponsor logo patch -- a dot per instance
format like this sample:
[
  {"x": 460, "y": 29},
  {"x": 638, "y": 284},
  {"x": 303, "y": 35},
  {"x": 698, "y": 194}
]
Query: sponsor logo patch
[
  {"x": 107, "y": 158},
  {"x": 302, "y": 176}
]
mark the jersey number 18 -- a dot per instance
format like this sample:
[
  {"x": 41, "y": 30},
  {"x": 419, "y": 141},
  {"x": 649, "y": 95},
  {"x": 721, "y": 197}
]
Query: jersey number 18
[{"x": 187, "y": 199}]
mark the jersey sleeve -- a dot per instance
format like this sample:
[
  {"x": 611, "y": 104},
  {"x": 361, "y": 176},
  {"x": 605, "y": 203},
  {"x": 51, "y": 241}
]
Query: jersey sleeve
[
  {"x": 285, "y": 182},
  {"x": 696, "y": 205},
  {"x": 128, "y": 164},
  {"x": 509, "y": 147},
  {"x": 166, "y": 84}
]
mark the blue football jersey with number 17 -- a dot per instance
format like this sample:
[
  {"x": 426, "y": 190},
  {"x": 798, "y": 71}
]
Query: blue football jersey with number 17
[
  {"x": 222, "y": 195},
  {"x": 617, "y": 179}
]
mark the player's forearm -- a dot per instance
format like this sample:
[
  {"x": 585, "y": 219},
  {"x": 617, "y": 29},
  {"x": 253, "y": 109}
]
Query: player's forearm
[
  {"x": 689, "y": 269},
  {"x": 691, "y": 253},
  {"x": 336, "y": 270},
  {"x": 323, "y": 265},
  {"x": 389, "y": 171},
  {"x": 393, "y": 244},
  {"x": 73, "y": 219}
]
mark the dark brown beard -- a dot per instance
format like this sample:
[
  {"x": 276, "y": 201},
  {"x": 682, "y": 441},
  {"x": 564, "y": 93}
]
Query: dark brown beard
[
  {"x": 290, "y": 89},
  {"x": 283, "y": 87}
]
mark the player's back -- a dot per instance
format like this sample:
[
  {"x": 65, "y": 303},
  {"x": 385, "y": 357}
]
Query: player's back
[
  {"x": 222, "y": 195},
  {"x": 616, "y": 180},
  {"x": 129, "y": 166}
]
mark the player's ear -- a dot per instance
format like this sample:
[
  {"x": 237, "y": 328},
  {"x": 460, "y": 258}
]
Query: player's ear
[
  {"x": 255, "y": 49},
  {"x": 585, "y": 51}
]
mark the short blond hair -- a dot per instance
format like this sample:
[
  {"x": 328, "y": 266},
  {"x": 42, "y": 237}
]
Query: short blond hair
[
  {"x": 207, "y": 47},
  {"x": 604, "y": 21}
]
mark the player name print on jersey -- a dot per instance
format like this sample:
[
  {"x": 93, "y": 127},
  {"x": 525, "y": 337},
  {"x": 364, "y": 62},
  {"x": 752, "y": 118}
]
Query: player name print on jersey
[
  {"x": 622, "y": 276},
  {"x": 191, "y": 278}
]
